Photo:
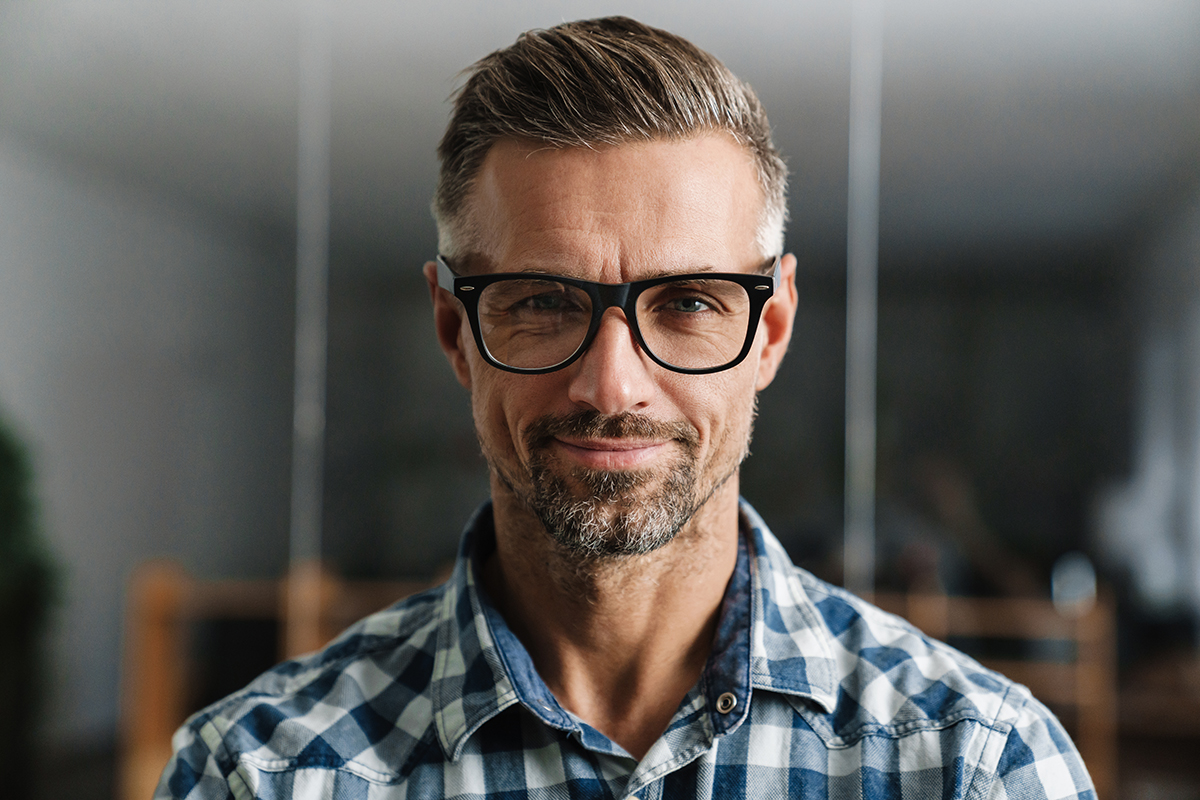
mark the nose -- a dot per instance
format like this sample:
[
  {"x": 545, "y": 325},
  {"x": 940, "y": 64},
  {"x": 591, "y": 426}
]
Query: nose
[{"x": 614, "y": 375}]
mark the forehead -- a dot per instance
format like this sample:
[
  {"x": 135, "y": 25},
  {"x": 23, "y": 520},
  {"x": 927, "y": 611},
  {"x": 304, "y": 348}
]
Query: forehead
[{"x": 618, "y": 212}]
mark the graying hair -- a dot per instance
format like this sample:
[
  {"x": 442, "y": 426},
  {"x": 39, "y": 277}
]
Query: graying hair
[{"x": 596, "y": 82}]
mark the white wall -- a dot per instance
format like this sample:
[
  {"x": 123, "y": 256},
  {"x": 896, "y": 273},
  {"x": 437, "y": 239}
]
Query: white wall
[
  {"x": 1151, "y": 524},
  {"x": 145, "y": 356}
]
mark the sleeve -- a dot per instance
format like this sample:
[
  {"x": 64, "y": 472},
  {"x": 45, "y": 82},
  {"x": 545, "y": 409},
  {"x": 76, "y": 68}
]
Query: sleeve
[
  {"x": 1039, "y": 761},
  {"x": 194, "y": 771}
]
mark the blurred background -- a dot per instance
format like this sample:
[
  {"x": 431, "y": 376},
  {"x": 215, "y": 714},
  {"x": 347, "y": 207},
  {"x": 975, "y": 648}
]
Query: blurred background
[{"x": 1039, "y": 310}]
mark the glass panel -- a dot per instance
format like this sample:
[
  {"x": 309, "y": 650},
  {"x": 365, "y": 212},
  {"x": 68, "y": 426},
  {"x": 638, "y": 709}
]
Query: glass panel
[
  {"x": 533, "y": 323},
  {"x": 695, "y": 324}
]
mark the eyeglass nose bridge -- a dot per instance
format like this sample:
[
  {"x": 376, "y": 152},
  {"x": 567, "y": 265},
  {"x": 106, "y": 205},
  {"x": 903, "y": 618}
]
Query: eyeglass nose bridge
[{"x": 605, "y": 296}]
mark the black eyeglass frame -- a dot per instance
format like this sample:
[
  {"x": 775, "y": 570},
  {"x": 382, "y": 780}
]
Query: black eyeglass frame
[{"x": 760, "y": 287}]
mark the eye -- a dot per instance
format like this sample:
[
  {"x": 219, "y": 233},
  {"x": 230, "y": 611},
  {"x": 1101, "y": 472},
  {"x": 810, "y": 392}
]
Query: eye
[
  {"x": 689, "y": 297},
  {"x": 531, "y": 298},
  {"x": 687, "y": 305},
  {"x": 548, "y": 301}
]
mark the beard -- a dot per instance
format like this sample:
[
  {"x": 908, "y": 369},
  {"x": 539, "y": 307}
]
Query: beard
[{"x": 600, "y": 513}]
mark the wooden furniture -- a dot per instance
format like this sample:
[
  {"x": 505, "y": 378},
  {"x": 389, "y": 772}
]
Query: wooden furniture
[
  {"x": 311, "y": 605},
  {"x": 1067, "y": 661}
]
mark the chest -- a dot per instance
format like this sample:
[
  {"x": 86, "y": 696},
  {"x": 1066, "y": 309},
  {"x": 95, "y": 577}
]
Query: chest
[{"x": 774, "y": 754}]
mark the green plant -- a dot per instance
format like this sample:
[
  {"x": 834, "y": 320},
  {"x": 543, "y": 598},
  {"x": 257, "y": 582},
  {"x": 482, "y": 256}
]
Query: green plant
[{"x": 27, "y": 592}]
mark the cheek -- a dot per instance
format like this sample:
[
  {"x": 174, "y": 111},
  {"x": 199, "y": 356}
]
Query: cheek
[
  {"x": 718, "y": 406},
  {"x": 488, "y": 409},
  {"x": 736, "y": 423},
  {"x": 503, "y": 404}
]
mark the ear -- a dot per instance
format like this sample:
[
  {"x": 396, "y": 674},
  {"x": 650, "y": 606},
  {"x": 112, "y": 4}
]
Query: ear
[
  {"x": 776, "y": 324},
  {"x": 449, "y": 322}
]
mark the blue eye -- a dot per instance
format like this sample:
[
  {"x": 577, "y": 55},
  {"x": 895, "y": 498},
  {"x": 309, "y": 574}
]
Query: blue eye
[{"x": 688, "y": 305}]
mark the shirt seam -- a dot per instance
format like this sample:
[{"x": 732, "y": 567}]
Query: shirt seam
[{"x": 993, "y": 731}]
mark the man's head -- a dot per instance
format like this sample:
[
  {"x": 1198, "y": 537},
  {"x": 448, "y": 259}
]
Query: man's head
[
  {"x": 613, "y": 450},
  {"x": 607, "y": 81}
]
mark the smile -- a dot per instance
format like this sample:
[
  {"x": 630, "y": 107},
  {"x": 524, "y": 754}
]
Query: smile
[{"x": 610, "y": 454}]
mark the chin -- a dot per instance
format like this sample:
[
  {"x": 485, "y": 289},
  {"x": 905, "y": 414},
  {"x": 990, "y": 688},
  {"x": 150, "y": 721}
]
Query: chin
[{"x": 596, "y": 514}]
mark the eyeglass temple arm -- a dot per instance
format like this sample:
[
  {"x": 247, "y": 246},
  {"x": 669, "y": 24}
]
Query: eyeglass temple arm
[{"x": 445, "y": 275}]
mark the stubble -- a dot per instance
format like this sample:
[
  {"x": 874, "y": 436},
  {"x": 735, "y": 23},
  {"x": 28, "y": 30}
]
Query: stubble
[{"x": 599, "y": 515}]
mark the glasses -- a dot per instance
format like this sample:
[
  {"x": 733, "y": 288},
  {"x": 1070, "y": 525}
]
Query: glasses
[{"x": 534, "y": 323}]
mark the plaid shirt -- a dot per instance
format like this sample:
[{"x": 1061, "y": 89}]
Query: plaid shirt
[{"x": 435, "y": 697}]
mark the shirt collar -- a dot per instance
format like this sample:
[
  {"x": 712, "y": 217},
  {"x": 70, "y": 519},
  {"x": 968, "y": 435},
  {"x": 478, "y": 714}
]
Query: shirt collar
[
  {"x": 769, "y": 637},
  {"x": 791, "y": 647},
  {"x": 470, "y": 683}
]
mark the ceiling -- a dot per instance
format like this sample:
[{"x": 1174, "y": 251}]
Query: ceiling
[{"x": 1004, "y": 121}]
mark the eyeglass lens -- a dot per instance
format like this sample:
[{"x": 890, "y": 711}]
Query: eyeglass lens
[{"x": 537, "y": 323}]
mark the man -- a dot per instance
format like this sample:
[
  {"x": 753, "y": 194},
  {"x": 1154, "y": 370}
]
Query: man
[{"x": 611, "y": 293}]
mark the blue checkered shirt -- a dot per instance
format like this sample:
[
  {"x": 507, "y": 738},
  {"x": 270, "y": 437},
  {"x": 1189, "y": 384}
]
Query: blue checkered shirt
[{"x": 435, "y": 697}]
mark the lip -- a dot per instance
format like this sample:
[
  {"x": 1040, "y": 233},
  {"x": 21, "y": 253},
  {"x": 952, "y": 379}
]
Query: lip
[{"x": 611, "y": 454}]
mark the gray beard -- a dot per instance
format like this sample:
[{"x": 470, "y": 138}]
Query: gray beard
[
  {"x": 616, "y": 515},
  {"x": 613, "y": 518}
]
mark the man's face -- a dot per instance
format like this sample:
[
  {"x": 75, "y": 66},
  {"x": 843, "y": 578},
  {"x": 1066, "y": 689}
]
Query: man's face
[{"x": 614, "y": 453}]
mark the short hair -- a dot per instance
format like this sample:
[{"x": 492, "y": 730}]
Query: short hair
[{"x": 606, "y": 81}]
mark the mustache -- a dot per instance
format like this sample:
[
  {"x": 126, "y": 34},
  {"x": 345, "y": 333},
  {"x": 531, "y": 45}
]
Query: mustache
[{"x": 590, "y": 424}]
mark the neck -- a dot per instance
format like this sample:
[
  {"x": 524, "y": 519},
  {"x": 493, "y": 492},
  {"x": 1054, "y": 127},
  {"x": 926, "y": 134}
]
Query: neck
[{"x": 619, "y": 640}]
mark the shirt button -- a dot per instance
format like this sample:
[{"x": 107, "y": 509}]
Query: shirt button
[{"x": 726, "y": 702}]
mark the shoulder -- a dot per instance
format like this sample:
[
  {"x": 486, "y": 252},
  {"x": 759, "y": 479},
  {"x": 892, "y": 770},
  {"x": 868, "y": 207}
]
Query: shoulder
[
  {"x": 362, "y": 703},
  {"x": 855, "y": 670},
  {"x": 907, "y": 693},
  {"x": 898, "y": 676}
]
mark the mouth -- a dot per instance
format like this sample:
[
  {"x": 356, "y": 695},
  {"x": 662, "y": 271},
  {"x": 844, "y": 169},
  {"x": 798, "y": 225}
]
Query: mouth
[
  {"x": 610, "y": 454},
  {"x": 596, "y": 443}
]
